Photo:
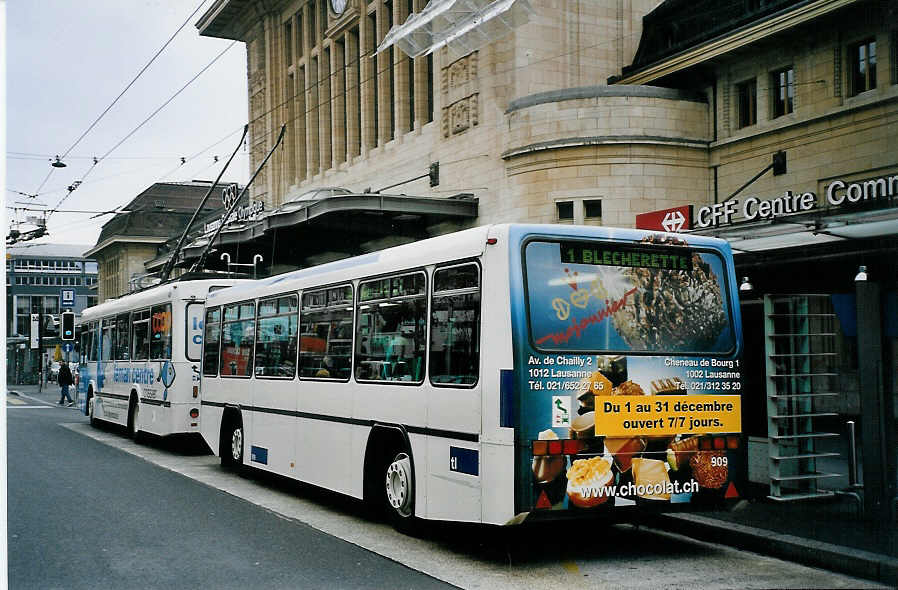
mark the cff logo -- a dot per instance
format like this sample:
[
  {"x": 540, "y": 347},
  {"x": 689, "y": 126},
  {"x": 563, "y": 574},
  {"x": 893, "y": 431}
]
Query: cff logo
[{"x": 674, "y": 221}]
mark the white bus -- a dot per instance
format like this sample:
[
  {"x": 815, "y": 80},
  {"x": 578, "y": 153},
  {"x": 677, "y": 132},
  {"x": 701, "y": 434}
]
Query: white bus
[
  {"x": 140, "y": 356},
  {"x": 468, "y": 377}
]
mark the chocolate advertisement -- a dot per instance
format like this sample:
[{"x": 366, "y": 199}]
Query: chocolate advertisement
[{"x": 632, "y": 381}]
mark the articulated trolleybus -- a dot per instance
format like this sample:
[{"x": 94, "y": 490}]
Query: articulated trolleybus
[
  {"x": 140, "y": 358},
  {"x": 492, "y": 375}
]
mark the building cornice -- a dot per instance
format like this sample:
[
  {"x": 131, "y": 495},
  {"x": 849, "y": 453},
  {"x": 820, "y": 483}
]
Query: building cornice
[
  {"x": 124, "y": 240},
  {"x": 732, "y": 40},
  {"x": 575, "y": 142}
]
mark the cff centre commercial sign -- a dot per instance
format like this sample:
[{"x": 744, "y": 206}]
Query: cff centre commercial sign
[{"x": 837, "y": 192}]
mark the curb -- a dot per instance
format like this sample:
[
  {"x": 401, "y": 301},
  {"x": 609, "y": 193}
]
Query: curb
[{"x": 846, "y": 560}]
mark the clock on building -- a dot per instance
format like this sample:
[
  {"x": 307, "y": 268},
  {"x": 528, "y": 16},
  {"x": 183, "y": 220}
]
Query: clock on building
[{"x": 338, "y": 6}]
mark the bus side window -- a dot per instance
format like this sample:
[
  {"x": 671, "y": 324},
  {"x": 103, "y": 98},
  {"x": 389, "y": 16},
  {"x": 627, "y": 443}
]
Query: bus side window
[
  {"x": 108, "y": 332},
  {"x": 237, "y": 338},
  {"x": 325, "y": 347},
  {"x": 391, "y": 329},
  {"x": 92, "y": 343},
  {"x": 211, "y": 340},
  {"x": 455, "y": 325},
  {"x": 140, "y": 332},
  {"x": 122, "y": 337},
  {"x": 276, "y": 337},
  {"x": 160, "y": 335}
]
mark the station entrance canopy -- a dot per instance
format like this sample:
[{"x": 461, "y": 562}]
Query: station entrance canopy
[
  {"x": 300, "y": 233},
  {"x": 462, "y": 26}
]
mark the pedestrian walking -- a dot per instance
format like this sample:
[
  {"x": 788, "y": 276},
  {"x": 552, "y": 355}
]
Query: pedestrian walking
[{"x": 65, "y": 380}]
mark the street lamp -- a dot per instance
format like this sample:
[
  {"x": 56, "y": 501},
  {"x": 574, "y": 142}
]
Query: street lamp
[
  {"x": 861, "y": 275},
  {"x": 58, "y": 163},
  {"x": 745, "y": 287}
]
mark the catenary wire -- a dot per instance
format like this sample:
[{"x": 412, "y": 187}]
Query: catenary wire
[{"x": 131, "y": 83}]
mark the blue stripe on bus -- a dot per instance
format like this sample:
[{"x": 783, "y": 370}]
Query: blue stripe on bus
[{"x": 506, "y": 398}]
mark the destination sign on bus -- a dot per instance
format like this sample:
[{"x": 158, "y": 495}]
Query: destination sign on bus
[{"x": 626, "y": 256}]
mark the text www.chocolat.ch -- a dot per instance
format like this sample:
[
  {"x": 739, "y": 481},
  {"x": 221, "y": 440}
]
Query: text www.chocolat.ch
[{"x": 631, "y": 489}]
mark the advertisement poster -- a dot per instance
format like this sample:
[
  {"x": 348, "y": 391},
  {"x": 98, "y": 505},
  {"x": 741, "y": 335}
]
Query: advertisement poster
[{"x": 632, "y": 381}]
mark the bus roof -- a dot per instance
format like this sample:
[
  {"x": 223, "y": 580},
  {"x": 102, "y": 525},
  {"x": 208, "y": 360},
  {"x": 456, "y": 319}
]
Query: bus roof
[
  {"x": 467, "y": 243},
  {"x": 165, "y": 292}
]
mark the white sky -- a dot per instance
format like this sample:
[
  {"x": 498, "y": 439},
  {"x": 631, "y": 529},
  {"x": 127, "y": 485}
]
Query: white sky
[{"x": 67, "y": 60}]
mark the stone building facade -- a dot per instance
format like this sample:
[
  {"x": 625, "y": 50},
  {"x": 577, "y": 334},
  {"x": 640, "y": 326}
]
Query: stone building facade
[
  {"x": 526, "y": 123},
  {"x": 579, "y": 115}
]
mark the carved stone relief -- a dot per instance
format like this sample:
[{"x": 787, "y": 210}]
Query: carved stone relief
[
  {"x": 460, "y": 88},
  {"x": 460, "y": 116}
]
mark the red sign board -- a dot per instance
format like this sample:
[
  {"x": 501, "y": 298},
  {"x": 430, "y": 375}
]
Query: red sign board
[{"x": 668, "y": 220}]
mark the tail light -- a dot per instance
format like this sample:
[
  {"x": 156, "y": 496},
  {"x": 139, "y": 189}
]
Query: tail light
[
  {"x": 196, "y": 391},
  {"x": 194, "y": 413}
]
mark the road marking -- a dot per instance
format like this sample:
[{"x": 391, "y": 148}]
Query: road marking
[
  {"x": 14, "y": 401},
  {"x": 29, "y": 407}
]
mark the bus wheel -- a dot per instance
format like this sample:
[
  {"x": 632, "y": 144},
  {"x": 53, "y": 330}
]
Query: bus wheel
[
  {"x": 231, "y": 446},
  {"x": 133, "y": 417},
  {"x": 400, "y": 488}
]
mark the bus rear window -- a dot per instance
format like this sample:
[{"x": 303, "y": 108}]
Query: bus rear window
[{"x": 628, "y": 298}]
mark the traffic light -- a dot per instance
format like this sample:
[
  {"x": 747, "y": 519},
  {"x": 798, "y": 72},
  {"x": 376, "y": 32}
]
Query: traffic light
[
  {"x": 779, "y": 163},
  {"x": 434, "y": 174},
  {"x": 68, "y": 325}
]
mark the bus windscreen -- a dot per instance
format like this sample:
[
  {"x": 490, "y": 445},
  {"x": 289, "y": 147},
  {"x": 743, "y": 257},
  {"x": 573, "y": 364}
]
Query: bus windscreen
[{"x": 627, "y": 297}]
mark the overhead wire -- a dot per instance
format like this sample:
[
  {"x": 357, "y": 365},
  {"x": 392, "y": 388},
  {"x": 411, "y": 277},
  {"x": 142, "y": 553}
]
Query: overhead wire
[
  {"x": 131, "y": 83},
  {"x": 144, "y": 122},
  {"x": 53, "y": 168}
]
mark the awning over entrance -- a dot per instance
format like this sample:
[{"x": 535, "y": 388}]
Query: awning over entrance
[
  {"x": 462, "y": 25},
  {"x": 299, "y": 233}
]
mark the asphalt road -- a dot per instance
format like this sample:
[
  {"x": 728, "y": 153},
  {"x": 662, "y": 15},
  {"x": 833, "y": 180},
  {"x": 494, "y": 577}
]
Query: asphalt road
[
  {"x": 178, "y": 520},
  {"x": 83, "y": 514}
]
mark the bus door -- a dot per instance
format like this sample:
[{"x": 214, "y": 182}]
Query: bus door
[
  {"x": 630, "y": 376},
  {"x": 271, "y": 440}
]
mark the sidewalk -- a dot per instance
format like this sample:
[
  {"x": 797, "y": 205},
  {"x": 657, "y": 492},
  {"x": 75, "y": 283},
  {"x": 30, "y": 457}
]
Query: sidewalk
[
  {"x": 50, "y": 394},
  {"x": 822, "y": 533}
]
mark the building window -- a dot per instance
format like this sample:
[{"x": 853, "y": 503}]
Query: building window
[
  {"x": 592, "y": 209},
  {"x": 288, "y": 42},
  {"x": 862, "y": 66},
  {"x": 782, "y": 91},
  {"x": 564, "y": 211},
  {"x": 747, "y": 95}
]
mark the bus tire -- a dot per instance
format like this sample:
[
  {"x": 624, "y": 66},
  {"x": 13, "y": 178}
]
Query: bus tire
[
  {"x": 231, "y": 444},
  {"x": 399, "y": 491},
  {"x": 133, "y": 420}
]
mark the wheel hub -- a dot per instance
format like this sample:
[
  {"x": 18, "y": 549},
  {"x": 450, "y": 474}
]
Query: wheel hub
[
  {"x": 399, "y": 484},
  {"x": 237, "y": 444}
]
